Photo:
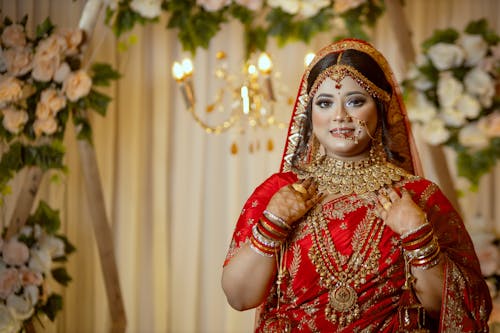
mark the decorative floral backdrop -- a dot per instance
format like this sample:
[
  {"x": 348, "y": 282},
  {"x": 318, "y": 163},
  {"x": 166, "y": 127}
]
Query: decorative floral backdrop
[
  {"x": 43, "y": 84},
  {"x": 198, "y": 21},
  {"x": 454, "y": 92}
]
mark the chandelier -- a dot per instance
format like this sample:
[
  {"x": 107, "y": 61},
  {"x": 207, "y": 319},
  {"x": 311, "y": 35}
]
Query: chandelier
[{"x": 251, "y": 97}]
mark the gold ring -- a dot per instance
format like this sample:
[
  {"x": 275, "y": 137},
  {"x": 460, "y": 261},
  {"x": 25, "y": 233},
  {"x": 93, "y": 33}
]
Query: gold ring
[
  {"x": 299, "y": 188},
  {"x": 387, "y": 205}
]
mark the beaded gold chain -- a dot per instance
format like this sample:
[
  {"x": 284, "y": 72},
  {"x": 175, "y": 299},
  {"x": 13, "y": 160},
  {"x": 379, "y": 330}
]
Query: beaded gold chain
[{"x": 342, "y": 275}]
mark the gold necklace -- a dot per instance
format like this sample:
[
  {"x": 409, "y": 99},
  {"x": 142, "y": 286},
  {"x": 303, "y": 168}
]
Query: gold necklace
[
  {"x": 340, "y": 275},
  {"x": 345, "y": 177}
]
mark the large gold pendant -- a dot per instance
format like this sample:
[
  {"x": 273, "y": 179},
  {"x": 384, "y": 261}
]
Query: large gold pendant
[{"x": 342, "y": 304}]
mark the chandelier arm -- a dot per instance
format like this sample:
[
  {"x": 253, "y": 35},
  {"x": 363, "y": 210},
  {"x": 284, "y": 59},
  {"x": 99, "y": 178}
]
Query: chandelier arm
[{"x": 217, "y": 129}]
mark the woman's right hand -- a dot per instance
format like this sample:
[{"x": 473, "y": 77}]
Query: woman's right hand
[{"x": 293, "y": 201}]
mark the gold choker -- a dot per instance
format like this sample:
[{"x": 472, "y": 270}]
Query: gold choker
[{"x": 345, "y": 177}]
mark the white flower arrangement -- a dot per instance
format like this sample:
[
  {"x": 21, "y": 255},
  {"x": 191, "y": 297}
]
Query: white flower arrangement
[
  {"x": 454, "y": 96},
  {"x": 198, "y": 21},
  {"x": 28, "y": 261}
]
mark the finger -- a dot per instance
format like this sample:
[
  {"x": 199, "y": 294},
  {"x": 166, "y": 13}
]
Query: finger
[
  {"x": 380, "y": 211},
  {"x": 393, "y": 195}
]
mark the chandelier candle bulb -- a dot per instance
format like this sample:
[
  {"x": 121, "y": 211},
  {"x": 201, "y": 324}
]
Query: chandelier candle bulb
[{"x": 245, "y": 100}]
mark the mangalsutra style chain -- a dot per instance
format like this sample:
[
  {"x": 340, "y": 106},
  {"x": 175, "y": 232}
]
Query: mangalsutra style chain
[{"x": 342, "y": 275}]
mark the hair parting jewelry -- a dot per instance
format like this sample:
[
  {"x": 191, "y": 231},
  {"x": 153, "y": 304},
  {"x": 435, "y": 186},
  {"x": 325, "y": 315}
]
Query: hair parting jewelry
[{"x": 338, "y": 72}]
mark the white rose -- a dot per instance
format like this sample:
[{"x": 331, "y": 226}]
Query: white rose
[
  {"x": 479, "y": 83},
  {"x": 212, "y": 5},
  {"x": 288, "y": 6},
  {"x": 20, "y": 307},
  {"x": 250, "y": 4},
  {"x": 468, "y": 105},
  {"x": 475, "y": 48},
  {"x": 453, "y": 117},
  {"x": 435, "y": 132},
  {"x": 422, "y": 111},
  {"x": 53, "y": 245},
  {"x": 11, "y": 89},
  {"x": 147, "y": 8},
  {"x": 309, "y": 8},
  {"x": 32, "y": 293},
  {"x": 14, "y": 120},
  {"x": 448, "y": 89},
  {"x": 445, "y": 56},
  {"x": 471, "y": 136},
  {"x": 40, "y": 261},
  {"x": 8, "y": 324}
]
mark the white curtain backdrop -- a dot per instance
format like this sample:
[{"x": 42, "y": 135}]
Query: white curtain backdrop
[{"x": 172, "y": 192}]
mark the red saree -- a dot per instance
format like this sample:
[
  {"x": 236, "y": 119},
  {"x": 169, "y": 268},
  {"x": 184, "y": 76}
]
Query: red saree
[{"x": 350, "y": 220}]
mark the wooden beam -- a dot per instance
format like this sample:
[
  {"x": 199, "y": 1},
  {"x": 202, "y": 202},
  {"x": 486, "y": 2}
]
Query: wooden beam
[{"x": 103, "y": 235}]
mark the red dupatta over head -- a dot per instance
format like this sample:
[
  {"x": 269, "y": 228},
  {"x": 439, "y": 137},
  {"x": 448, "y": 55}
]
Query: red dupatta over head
[{"x": 401, "y": 142}]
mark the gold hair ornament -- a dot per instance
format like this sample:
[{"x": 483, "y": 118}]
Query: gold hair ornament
[{"x": 338, "y": 72}]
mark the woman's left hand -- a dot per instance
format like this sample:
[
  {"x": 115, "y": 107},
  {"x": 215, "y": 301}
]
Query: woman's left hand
[{"x": 399, "y": 212}]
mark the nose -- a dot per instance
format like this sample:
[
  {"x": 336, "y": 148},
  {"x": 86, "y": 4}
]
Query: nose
[{"x": 340, "y": 114}]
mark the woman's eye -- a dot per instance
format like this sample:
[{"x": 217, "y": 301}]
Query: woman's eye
[
  {"x": 324, "y": 103},
  {"x": 356, "y": 102}
]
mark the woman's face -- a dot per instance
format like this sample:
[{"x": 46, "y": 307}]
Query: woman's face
[{"x": 342, "y": 115}]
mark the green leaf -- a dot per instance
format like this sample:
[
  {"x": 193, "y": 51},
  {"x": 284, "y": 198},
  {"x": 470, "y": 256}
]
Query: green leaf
[
  {"x": 440, "y": 36},
  {"x": 68, "y": 246},
  {"x": 53, "y": 305},
  {"x": 98, "y": 102},
  {"x": 481, "y": 27},
  {"x": 103, "y": 73},
  {"x": 61, "y": 275},
  {"x": 45, "y": 217},
  {"x": 45, "y": 28}
]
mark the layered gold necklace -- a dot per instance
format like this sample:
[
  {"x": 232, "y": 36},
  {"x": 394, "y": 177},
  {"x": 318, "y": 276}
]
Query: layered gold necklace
[
  {"x": 342, "y": 275},
  {"x": 345, "y": 177}
]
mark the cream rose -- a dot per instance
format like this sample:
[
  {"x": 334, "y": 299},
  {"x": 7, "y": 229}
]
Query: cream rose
[
  {"x": 490, "y": 125},
  {"x": 341, "y": 6},
  {"x": 212, "y": 5},
  {"x": 14, "y": 36},
  {"x": 51, "y": 47},
  {"x": 435, "y": 132},
  {"x": 7, "y": 322},
  {"x": 445, "y": 56},
  {"x": 20, "y": 307},
  {"x": 18, "y": 60},
  {"x": 77, "y": 85},
  {"x": 46, "y": 126},
  {"x": 9, "y": 282},
  {"x": 468, "y": 105},
  {"x": 15, "y": 253},
  {"x": 448, "y": 90},
  {"x": 44, "y": 69},
  {"x": 479, "y": 83},
  {"x": 53, "y": 99},
  {"x": 14, "y": 120},
  {"x": 62, "y": 72},
  {"x": 251, "y": 4},
  {"x": 471, "y": 136},
  {"x": 452, "y": 117},
  {"x": 73, "y": 38},
  {"x": 475, "y": 48},
  {"x": 11, "y": 89},
  {"x": 29, "y": 277},
  {"x": 40, "y": 261},
  {"x": 32, "y": 294}
]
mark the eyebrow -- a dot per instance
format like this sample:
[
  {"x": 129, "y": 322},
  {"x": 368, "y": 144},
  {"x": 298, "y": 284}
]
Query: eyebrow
[{"x": 347, "y": 94}]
